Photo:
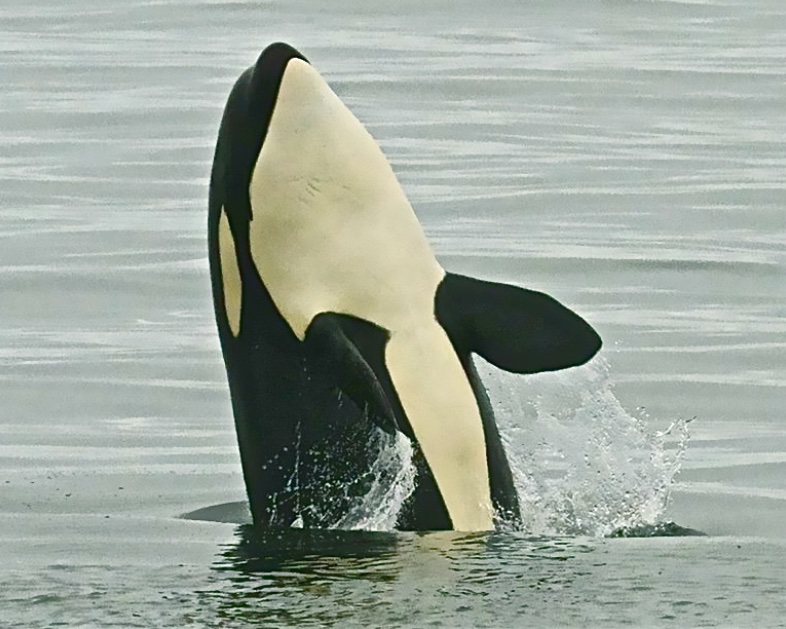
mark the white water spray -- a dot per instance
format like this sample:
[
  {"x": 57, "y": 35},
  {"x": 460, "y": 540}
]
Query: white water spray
[
  {"x": 582, "y": 464},
  {"x": 393, "y": 481}
]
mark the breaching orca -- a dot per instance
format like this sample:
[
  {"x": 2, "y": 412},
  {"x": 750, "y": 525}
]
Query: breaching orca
[{"x": 336, "y": 320}]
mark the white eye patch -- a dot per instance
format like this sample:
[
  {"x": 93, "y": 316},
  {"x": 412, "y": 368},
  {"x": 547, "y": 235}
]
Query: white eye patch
[{"x": 230, "y": 274}]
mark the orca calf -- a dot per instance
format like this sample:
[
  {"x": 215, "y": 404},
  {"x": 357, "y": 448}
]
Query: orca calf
[{"x": 336, "y": 320}]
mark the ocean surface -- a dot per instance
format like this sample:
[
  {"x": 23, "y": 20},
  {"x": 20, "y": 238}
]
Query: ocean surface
[{"x": 627, "y": 157}]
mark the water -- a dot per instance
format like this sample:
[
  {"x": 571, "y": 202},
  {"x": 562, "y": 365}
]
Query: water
[{"x": 626, "y": 157}]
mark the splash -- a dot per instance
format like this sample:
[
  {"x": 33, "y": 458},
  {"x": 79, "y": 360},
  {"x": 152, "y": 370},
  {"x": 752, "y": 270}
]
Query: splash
[
  {"x": 582, "y": 464},
  {"x": 392, "y": 482}
]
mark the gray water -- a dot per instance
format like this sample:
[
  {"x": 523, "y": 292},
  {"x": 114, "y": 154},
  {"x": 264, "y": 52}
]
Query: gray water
[{"x": 625, "y": 157}]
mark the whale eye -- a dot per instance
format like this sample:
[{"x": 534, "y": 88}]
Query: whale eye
[{"x": 230, "y": 274}]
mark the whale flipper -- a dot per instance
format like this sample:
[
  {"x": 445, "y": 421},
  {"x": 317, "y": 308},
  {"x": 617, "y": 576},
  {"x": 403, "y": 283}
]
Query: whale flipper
[
  {"x": 335, "y": 342},
  {"x": 515, "y": 329}
]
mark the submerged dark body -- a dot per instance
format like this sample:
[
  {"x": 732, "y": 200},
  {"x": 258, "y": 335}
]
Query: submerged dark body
[{"x": 307, "y": 412}]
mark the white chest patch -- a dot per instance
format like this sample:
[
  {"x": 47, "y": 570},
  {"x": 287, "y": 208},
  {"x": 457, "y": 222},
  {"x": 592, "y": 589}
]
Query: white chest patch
[{"x": 332, "y": 231}]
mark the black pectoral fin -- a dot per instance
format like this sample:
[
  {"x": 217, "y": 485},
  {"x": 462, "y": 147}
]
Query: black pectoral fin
[
  {"x": 517, "y": 330},
  {"x": 328, "y": 343}
]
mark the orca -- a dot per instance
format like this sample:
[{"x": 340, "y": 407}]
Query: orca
[{"x": 336, "y": 321}]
